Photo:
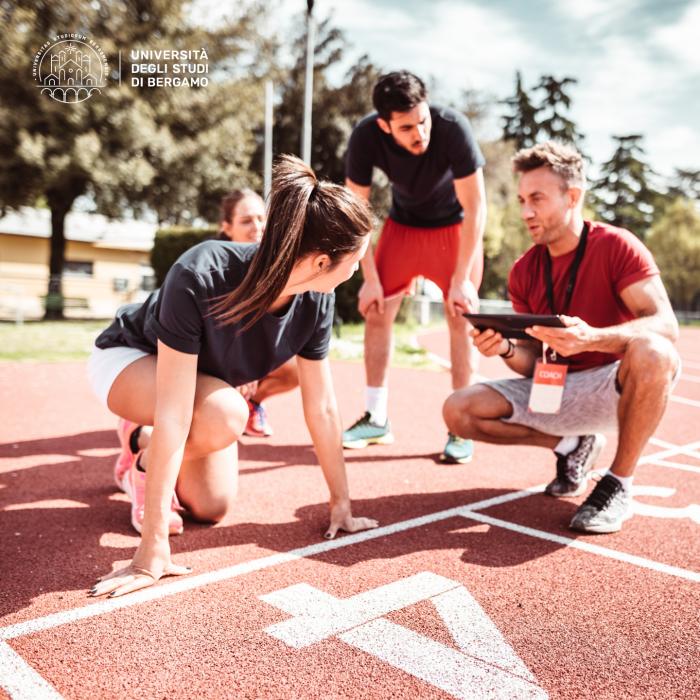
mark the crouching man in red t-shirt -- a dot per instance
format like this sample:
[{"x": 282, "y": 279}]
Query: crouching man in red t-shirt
[{"x": 618, "y": 343}]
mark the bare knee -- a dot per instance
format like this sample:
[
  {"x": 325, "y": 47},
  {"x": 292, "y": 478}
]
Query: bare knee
[
  {"x": 218, "y": 421},
  {"x": 457, "y": 411},
  {"x": 650, "y": 357},
  {"x": 214, "y": 510}
]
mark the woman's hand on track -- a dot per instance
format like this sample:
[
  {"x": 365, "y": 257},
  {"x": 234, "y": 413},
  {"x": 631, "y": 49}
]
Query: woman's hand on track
[
  {"x": 341, "y": 519},
  {"x": 150, "y": 563}
]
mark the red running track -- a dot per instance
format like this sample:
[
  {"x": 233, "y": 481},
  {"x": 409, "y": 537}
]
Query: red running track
[{"x": 472, "y": 587}]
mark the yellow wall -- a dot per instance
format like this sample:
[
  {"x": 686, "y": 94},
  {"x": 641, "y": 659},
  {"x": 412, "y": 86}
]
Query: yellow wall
[{"x": 24, "y": 276}]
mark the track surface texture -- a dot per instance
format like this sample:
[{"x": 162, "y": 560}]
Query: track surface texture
[{"x": 473, "y": 586}]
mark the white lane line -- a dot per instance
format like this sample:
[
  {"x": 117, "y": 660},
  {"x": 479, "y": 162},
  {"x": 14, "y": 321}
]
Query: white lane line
[
  {"x": 690, "y": 378},
  {"x": 675, "y": 465},
  {"x": 633, "y": 559},
  {"x": 684, "y": 401},
  {"x": 672, "y": 450},
  {"x": 180, "y": 585},
  {"x": 690, "y": 364},
  {"x": 20, "y": 681}
]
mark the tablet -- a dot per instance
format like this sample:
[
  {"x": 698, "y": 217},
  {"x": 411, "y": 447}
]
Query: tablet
[{"x": 513, "y": 325}]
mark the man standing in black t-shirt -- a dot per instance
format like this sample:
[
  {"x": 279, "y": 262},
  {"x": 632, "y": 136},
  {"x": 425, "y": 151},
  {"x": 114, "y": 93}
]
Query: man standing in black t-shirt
[{"x": 434, "y": 229}]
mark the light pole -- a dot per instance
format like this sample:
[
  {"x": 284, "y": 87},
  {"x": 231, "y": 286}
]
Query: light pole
[{"x": 309, "y": 86}]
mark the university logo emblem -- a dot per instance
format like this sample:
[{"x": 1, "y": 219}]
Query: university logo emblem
[{"x": 70, "y": 69}]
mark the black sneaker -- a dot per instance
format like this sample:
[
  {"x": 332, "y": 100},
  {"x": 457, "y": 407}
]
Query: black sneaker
[
  {"x": 607, "y": 507},
  {"x": 573, "y": 469}
]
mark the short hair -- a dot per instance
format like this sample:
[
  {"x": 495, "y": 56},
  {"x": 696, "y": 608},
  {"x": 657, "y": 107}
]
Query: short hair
[
  {"x": 399, "y": 91},
  {"x": 230, "y": 202},
  {"x": 561, "y": 158}
]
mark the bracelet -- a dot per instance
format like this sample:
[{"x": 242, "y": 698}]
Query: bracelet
[{"x": 510, "y": 351}]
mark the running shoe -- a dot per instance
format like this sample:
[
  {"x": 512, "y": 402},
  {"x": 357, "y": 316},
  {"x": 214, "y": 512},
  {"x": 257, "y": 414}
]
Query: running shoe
[
  {"x": 126, "y": 456},
  {"x": 573, "y": 469},
  {"x": 257, "y": 425},
  {"x": 365, "y": 432},
  {"x": 607, "y": 507},
  {"x": 457, "y": 450},
  {"x": 134, "y": 485}
]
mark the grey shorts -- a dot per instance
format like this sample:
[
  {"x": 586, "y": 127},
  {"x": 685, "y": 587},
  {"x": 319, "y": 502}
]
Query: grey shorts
[{"x": 589, "y": 403}]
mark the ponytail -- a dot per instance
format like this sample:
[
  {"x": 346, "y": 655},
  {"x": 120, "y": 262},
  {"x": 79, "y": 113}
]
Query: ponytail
[{"x": 305, "y": 216}]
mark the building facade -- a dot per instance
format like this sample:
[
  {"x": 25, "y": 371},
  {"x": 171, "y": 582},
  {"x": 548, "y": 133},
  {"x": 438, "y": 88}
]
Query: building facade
[{"x": 107, "y": 264}]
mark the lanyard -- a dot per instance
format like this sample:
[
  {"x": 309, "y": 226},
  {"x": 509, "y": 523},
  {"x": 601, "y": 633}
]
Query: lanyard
[{"x": 580, "y": 250}]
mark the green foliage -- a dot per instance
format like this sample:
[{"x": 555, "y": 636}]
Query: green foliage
[
  {"x": 623, "y": 195},
  {"x": 674, "y": 241},
  {"x": 171, "y": 243},
  {"x": 174, "y": 151},
  {"x": 541, "y": 114}
]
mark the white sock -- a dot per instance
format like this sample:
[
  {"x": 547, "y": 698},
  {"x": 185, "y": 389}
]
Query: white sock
[
  {"x": 626, "y": 481},
  {"x": 376, "y": 400},
  {"x": 567, "y": 444}
]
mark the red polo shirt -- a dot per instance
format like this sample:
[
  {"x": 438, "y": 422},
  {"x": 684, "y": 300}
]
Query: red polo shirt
[{"x": 614, "y": 259}]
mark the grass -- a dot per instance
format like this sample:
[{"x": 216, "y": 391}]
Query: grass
[
  {"x": 58, "y": 341},
  {"x": 48, "y": 341},
  {"x": 407, "y": 353}
]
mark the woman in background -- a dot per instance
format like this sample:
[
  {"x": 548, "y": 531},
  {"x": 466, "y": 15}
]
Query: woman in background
[{"x": 243, "y": 220}]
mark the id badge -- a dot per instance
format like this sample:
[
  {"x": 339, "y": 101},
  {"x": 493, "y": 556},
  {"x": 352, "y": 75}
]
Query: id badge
[{"x": 548, "y": 383}]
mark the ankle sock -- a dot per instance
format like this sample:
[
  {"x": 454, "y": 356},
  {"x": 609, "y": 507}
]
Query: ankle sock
[
  {"x": 567, "y": 444},
  {"x": 626, "y": 481},
  {"x": 134, "y": 439},
  {"x": 376, "y": 400}
]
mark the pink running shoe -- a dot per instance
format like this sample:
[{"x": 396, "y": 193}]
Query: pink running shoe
[
  {"x": 257, "y": 425},
  {"x": 134, "y": 485},
  {"x": 126, "y": 456}
]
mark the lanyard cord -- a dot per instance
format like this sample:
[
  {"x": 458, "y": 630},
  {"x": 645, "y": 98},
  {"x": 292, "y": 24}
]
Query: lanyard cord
[{"x": 580, "y": 250}]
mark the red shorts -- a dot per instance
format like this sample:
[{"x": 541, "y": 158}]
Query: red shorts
[{"x": 406, "y": 252}]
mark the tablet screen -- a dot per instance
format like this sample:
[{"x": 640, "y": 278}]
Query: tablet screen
[{"x": 513, "y": 325}]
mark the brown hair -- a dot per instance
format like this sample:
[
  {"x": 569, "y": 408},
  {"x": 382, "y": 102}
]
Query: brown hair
[
  {"x": 399, "y": 91},
  {"x": 230, "y": 202},
  {"x": 305, "y": 216},
  {"x": 563, "y": 160}
]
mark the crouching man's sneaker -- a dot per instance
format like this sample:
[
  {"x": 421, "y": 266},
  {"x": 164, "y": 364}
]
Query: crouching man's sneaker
[
  {"x": 608, "y": 506},
  {"x": 573, "y": 468},
  {"x": 364, "y": 432},
  {"x": 457, "y": 450}
]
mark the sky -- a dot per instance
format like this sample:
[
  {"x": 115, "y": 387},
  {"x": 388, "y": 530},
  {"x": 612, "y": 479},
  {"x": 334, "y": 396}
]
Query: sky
[{"x": 637, "y": 61}]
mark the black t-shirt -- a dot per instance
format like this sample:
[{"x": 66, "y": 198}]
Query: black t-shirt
[
  {"x": 178, "y": 315},
  {"x": 423, "y": 192}
]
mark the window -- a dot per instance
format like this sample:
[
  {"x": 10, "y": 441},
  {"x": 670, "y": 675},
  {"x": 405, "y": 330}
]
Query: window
[{"x": 77, "y": 268}]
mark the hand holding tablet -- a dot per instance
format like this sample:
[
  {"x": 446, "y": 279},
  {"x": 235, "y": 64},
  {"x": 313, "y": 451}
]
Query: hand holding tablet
[{"x": 513, "y": 325}]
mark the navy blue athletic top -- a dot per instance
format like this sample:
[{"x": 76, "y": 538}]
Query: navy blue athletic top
[
  {"x": 178, "y": 315},
  {"x": 423, "y": 192}
]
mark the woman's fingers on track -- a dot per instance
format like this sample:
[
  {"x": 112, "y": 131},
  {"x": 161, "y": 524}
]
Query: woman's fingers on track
[{"x": 177, "y": 570}]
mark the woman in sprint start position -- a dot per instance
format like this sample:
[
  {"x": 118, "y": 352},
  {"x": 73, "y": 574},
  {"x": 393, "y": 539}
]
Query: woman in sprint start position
[
  {"x": 227, "y": 315},
  {"x": 243, "y": 221}
]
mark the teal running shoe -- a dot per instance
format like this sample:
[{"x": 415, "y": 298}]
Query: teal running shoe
[
  {"x": 364, "y": 432},
  {"x": 457, "y": 450}
]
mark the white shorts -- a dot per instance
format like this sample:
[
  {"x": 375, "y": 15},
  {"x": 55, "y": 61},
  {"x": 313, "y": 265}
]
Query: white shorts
[{"x": 106, "y": 364}]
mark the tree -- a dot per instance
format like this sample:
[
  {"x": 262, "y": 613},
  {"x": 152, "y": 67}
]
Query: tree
[
  {"x": 685, "y": 183},
  {"x": 623, "y": 195},
  {"x": 521, "y": 125},
  {"x": 168, "y": 149},
  {"x": 675, "y": 242},
  {"x": 553, "y": 123}
]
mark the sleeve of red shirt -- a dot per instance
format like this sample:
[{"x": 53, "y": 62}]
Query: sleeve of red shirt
[
  {"x": 631, "y": 261},
  {"x": 516, "y": 290}
]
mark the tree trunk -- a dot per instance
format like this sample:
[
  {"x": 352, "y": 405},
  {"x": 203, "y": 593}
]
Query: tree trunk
[{"x": 54, "y": 296}]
